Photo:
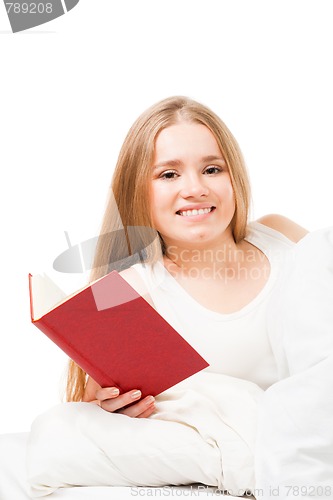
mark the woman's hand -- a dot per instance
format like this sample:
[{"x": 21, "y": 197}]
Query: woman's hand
[{"x": 109, "y": 399}]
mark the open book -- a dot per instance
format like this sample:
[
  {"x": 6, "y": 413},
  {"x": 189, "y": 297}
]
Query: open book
[{"x": 113, "y": 334}]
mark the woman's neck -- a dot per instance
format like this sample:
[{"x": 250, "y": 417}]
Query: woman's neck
[{"x": 223, "y": 254}]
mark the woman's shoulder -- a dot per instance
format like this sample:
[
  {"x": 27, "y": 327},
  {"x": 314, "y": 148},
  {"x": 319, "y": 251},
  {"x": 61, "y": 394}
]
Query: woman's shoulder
[{"x": 283, "y": 225}]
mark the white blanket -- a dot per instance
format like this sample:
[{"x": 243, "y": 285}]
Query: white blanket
[
  {"x": 13, "y": 480},
  {"x": 203, "y": 432},
  {"x": 294, "y": 456}
]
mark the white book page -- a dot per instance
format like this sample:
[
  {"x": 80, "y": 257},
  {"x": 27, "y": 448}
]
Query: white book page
[{"x": 45, "y": 295}]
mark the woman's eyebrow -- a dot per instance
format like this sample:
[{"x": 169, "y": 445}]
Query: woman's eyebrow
[
  {"x": 177, "y": 163},
  {"x": 168, "y": 163},
  {"x": 212, "y": 158}
]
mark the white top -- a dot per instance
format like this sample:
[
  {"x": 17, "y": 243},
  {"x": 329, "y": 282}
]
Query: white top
[{"x": 235, "y": 344}]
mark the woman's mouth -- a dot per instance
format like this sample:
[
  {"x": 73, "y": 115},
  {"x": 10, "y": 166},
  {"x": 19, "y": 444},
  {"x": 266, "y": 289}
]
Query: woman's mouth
[{"x": 191, "y": 213}]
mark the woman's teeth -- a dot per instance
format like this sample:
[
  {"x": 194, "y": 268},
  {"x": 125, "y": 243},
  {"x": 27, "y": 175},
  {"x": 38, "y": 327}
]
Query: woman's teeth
[{"x": 188, "y": 213}]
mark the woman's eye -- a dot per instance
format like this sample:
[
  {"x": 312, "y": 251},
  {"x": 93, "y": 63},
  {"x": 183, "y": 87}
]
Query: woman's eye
[
  {"x": 213, "y": 170},
  {"x": 170, "y": 174}
]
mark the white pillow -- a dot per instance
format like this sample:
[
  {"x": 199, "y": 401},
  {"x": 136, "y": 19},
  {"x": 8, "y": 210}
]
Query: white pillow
[{"x": 203, "y": 432}]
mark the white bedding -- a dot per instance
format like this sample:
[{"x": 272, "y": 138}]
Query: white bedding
[
  {"x": 294, "y": 456},
  {"x": 13, "y": 480},
  {"x": 202, "y": 432}
]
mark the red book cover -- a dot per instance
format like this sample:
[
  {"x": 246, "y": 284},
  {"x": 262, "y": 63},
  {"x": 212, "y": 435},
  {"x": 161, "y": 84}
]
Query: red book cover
[{"x": 115, "y": 336}]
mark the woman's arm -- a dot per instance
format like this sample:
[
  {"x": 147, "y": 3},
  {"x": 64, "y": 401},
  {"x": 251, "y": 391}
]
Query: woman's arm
[{"x": 284, "y": 225}]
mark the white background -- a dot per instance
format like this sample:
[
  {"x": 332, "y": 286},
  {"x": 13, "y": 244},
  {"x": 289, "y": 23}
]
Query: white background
[{"x": 69, "y": 91}]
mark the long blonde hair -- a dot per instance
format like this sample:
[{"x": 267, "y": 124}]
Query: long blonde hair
[{"x": 128, "y": 205}]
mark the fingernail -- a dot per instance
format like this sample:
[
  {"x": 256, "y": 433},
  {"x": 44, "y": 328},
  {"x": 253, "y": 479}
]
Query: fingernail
[
  {"x": 114, "y": 391},
  {"x": 150, "y": 400},
  {"x": 135, "y": 394}
]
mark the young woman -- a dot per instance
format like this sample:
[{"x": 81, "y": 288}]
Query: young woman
[
  {"x": 209, "y": 272},
  {"x": 176, "y": 228}
]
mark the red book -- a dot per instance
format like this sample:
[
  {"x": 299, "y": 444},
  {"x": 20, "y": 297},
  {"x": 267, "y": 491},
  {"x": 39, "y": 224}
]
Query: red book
[{"x": 113, "y": 334}]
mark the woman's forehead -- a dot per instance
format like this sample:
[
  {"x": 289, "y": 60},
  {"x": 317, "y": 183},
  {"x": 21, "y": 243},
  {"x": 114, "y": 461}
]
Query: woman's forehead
[{"x": 185, "y": 139}]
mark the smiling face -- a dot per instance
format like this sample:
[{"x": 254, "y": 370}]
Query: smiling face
[{"x": 192, "y": 197}]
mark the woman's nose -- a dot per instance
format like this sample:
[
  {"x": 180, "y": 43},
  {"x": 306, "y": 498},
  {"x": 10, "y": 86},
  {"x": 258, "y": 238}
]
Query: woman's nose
[{"x": 194, "y": 186}]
